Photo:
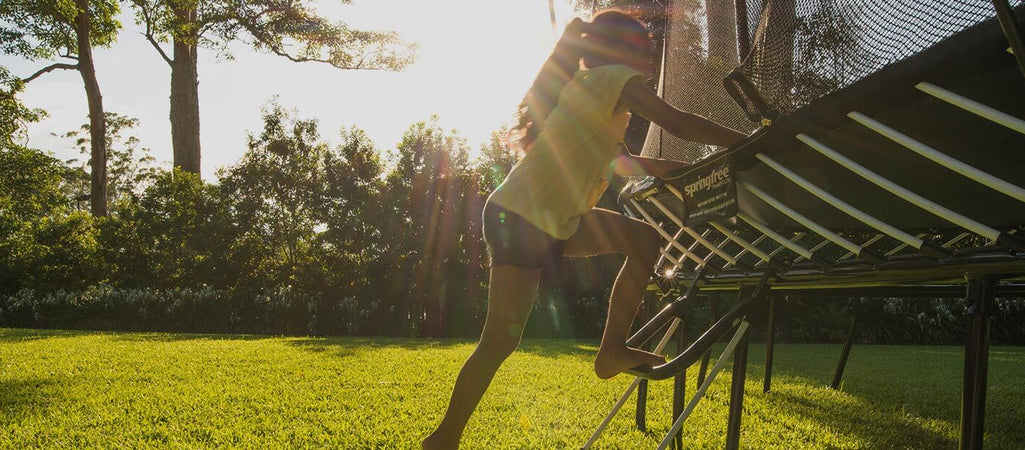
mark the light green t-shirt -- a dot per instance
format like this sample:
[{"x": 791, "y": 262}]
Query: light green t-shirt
[{"x": 567, "y": 169}]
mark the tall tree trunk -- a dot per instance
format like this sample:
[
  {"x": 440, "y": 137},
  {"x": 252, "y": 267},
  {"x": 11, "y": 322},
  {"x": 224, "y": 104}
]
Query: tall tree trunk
[
  {"x": 97, "y": 124},
  {"x": 185, "y": 103}
]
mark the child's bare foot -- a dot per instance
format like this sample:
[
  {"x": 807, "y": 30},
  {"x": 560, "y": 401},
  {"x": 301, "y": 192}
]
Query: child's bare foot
[{"x": 613, "y": 360}]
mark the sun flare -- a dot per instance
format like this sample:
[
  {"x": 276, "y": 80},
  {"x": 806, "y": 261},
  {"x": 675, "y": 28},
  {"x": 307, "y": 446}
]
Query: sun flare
[{"x": 479, "y": 70}]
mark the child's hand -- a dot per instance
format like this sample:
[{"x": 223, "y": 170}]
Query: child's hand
[{"x": 576, "y": 27}]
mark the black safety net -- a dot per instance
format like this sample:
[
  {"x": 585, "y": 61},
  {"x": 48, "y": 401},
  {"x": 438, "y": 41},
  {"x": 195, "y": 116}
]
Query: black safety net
[{"x": 792, "y": 52}]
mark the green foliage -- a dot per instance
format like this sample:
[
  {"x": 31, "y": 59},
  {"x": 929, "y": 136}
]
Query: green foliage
[
  {"x": 920, "y": 321},
  {"x": 434, "y": 256},
  {"x": 280, "y": 310},
  {"x": 167, "y": 233},
  {"x": 828, "y": 46},
  {"x": 58, "y": 251},
  {"x": 14, "y": 116},
  {"x": 45, "y": 29},
  {"x": 302, "y": 237},
  {"x": 41, "y": 244},
  {"x": 278, "y": 189},
  {"x": 287, "y": 28},
  {"x": 186, "y": 390},
  {"x": 304, "y": 212},
  {"x": 129, "y": 167},
  {"x": 497, "y": 159},
  {"x": 30, "y": 187}
]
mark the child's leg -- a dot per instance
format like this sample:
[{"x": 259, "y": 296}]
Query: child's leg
[
  {"x": 603, "y": 231},
  {"x": 510, "y": 297}
]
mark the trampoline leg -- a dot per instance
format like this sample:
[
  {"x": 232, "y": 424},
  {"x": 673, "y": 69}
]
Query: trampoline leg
[
  {"x": 770, "y": 342},
  {"x": 642, "y": 405},
  {"x": 737, "y": 394},
  {"x": 713, "y": 316},
  {"x": 846, "y": 352},
  {"x": 976, "y": 362},
  {"x": 679, "y": 385},
  {"x": 640, "y": 416}
]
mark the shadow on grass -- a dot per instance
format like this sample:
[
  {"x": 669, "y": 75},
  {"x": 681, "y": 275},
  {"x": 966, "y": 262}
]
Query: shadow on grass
[
  {"x": 348, "y": 346},
  {"x": 877, "y": 422},
  {"x": 14, "y": 335},
  {"x": 341, "y": 346},
  {"x": 19, "y": 398},
  {"x": 893, "y": 397}
]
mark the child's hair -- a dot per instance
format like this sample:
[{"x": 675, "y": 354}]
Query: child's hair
[{"x": 610, "y": 34}]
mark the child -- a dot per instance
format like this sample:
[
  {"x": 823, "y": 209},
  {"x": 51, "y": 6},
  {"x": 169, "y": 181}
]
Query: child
[{"x": 571, "y": 123}]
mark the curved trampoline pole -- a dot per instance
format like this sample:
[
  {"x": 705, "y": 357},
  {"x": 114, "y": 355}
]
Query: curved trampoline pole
[
  {"x": 941, "y": 158},
  {"x": 973, "y": 106},
  {"x": 845, "y": 353},
  {"x": 713, "y": 316}
]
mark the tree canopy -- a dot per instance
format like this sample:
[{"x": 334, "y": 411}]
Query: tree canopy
[{"x": 289, "y": 28}]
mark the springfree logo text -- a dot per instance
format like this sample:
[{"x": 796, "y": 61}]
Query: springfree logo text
[{"x": 708, "y": 182}]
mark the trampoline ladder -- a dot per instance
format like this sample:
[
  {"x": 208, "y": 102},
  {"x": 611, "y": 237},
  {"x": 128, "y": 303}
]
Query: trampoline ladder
[
  {"x": 737, "y": 347},
  {"x": 650, "y": 329}
]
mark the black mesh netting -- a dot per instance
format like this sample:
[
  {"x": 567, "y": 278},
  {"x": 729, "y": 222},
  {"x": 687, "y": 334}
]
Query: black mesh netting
[{"x": 800, "y": 50}]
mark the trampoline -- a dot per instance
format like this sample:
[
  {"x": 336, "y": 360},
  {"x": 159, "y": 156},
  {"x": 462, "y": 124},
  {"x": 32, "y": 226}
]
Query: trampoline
[{"x": 890, "y": 166}]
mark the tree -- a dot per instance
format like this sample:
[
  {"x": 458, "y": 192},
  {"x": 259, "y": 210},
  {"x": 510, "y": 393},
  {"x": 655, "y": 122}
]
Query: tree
[
  {"x": 497, "y": 159},
  {"x": 48, "y": 29},
  {"x": 40, "y": 243},
  {"x": 164, "y": 235},
  {"x": 278, "y": 186},
  {"x": 14, "y": 116},
  {"x": 131, "y": 167},
  {"x": 288, "y": 28},
  {"x": 431, "y": 196},
  {"x": 351, "y": 211},
  {"x": 829, "y": 52}
]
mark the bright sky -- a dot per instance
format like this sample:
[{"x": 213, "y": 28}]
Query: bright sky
[{"x": 476, "y": 59}]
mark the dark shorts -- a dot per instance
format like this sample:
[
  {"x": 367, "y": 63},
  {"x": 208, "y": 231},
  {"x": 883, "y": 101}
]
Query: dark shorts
[{"x": 513, "y": 240}]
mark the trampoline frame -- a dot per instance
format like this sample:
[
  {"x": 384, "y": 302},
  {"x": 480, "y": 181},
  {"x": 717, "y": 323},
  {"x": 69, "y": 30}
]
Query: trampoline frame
[{"x": 763, "y": 263}]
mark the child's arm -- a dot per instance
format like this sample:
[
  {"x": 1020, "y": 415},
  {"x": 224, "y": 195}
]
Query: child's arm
[
  {"x": 628, "y": 165},
  {"x": 692, "y": 127}
]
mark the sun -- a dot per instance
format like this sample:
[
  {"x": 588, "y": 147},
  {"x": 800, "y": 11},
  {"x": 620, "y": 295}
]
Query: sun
[
  {"x": 475, "y": 61},
  {"x": 476, "y": 70}
]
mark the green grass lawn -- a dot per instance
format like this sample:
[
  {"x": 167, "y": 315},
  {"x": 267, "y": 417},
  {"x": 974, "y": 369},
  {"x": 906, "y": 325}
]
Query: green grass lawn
[{"x": 136, "y": 390}]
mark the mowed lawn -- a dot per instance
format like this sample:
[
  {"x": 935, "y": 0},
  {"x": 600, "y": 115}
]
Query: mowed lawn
[{"x": 70, "y": 389}]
